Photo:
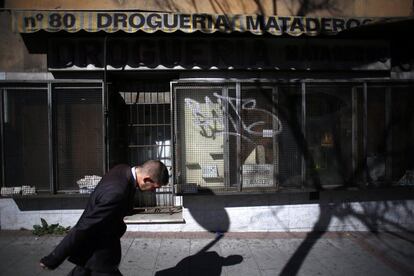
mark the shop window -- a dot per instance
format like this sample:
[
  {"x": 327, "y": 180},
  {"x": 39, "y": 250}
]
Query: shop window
[
  {"x": 227, "y": 136},
  {"x": 329, "y": 134},
  {"x": 235, "y": 136},
  {"x": 78, "y": 127},
  {"x": 25, "y": 138}
]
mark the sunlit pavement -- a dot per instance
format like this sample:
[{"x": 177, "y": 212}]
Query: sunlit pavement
[{"x": 333, "y": 253}]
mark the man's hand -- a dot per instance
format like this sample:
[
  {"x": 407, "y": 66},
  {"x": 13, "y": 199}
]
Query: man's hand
[
  {"x": 42, "y": 265},
  {"x": 49, "y": 262}
]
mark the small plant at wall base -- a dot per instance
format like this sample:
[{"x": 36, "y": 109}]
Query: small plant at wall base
[{"x": 45, "y": 228}]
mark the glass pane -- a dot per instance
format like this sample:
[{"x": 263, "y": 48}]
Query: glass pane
[
  {"x": 376, "y": 134},
  {"x": 200, "y": 129},
  {"x": 117, "y": 127},
  {"x": 329, "y": 134},
  {"x": 402, "y": 121},
  {"x": 139, "y": 155},
  {"x": 259, "y": 128},
  {"x": 78, "y": 128},
  {"x": 289, "y": 110},
  {"x": 26, "y": 143}
]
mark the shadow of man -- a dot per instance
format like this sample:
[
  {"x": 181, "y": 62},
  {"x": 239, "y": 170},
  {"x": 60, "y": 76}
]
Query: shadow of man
[{"x": 204, "y": 263}]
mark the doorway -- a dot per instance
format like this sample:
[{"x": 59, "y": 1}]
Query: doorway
[{"x": 140, "y": 129}]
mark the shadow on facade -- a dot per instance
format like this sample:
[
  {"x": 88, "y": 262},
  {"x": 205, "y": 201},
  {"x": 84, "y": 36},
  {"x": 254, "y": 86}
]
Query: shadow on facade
[
  {"x": 375, "y": 212},
  {"x": 370, "y": 215}
]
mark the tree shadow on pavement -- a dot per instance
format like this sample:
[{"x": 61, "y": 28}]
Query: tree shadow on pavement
[{"x": 372, "y": 215}]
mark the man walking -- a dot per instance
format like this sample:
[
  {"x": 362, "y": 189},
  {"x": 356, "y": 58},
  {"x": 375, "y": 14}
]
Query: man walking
[{"x": 93, "y": 244}]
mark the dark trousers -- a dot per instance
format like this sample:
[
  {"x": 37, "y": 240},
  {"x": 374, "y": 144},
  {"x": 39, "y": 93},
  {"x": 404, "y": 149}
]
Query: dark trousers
[{"x": 81, "y": 271}]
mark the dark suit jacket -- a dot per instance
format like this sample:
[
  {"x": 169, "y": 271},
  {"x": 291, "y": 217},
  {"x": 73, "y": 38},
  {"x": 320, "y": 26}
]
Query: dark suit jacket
[{"x": 94, "y": 242}]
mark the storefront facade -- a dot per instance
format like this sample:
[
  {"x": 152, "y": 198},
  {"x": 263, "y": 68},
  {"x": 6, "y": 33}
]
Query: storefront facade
[{"x": 264, "y": 121}]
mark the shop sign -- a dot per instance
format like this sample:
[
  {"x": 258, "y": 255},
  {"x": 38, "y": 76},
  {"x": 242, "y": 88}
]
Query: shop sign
[
  {"x": 133, "y": 21},
  {"x": 257, "y": 175},
  {"x": 218, "y": 53}
]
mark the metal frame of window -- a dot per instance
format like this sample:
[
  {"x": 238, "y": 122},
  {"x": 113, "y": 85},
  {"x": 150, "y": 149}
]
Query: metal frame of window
[
  {"x": 52, "y": 165},
  {"x": 364, "y": 134},
  {"x": 303, "y": 123},
  {"x": 2, "y": 137},
  {"x": 388, "y": 107},
  {"x": 276, "y": 159}
]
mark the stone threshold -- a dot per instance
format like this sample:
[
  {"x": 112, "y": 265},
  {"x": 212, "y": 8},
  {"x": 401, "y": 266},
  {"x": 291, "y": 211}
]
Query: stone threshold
[{"x": 155, "y": 215}]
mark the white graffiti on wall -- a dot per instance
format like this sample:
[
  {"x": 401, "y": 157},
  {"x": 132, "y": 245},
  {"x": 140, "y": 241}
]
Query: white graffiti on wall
[{"x": 212, "y": 124}]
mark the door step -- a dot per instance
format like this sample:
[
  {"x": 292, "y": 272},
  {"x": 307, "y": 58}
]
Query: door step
[{"x": 155, "y": 215}]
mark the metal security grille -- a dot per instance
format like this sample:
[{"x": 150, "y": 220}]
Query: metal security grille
[{"x": 149, "y": 133}]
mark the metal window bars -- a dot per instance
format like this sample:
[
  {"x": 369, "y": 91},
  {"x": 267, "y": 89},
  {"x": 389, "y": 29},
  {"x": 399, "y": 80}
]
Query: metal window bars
[{"x": 149, "y": 131}]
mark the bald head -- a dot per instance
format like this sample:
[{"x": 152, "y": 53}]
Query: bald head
[{"x": 156, "y": 170}]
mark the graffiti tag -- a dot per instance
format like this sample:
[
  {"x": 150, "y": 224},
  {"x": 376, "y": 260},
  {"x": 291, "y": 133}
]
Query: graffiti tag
[{"x": 207, "y": 117}]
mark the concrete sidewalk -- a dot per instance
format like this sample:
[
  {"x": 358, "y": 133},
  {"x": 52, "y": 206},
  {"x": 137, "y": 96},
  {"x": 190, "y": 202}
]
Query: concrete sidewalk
[{"x": 350, "y": 253}]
